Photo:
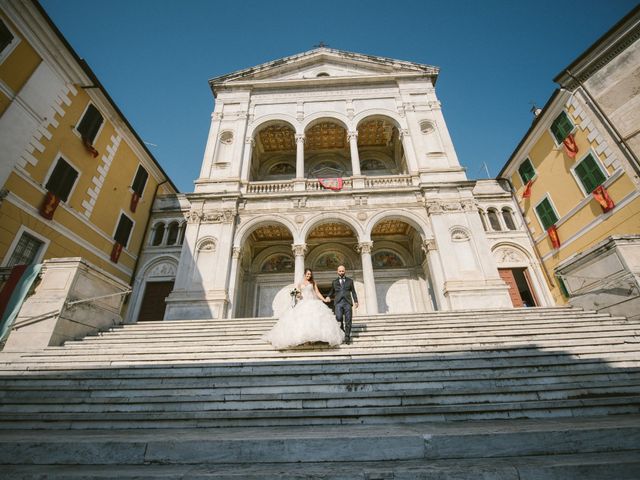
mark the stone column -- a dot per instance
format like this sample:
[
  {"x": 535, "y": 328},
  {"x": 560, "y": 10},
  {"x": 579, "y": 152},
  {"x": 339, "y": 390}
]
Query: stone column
[
  {"x": 299, "y": 252},
  {"x": 364, "y": 248},
  {"x": 355, "y": 156},
  {"x": 236, "y": 254},
  {"x": 299, "y": 155},
  {"x": 434, "y": 272},
  {"x": 246, "y": 159},
  {"x": 409, "y": 152}
]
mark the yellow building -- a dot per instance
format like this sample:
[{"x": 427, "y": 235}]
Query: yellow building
[
  {"x": 576, "y": 172},
  {"x": 76, "y": 179}
]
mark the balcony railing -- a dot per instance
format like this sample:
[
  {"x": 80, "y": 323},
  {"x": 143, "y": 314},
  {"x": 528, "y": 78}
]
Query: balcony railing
[
  {"x": 282, "y": 186},
  {"x": 313, "y": 185}
]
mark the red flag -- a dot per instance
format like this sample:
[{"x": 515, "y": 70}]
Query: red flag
[
  {"x": 90, "y": 148},
  {"x": 49, "y": 205},
  {"x": 552, "y": 231},
  {"x": 134, "y": 201},
  {"x": 570, "y": 146},
  {"x": 527, "y": 189},
  {"x": 334, "y": 184},
  {"x": 602, "y": 197},
  {"x": 115, "y": 252}
]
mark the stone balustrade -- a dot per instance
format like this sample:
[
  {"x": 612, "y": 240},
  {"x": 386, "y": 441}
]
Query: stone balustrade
[{"x": 313, "y": 185}]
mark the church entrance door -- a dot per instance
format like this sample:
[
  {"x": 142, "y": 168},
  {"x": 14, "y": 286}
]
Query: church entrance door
[
  {"x": 153, "y": 302},
  {"x": 520, "y": 289}
]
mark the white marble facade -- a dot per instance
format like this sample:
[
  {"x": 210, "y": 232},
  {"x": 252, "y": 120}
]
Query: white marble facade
[{"x": 405, "y": 220}]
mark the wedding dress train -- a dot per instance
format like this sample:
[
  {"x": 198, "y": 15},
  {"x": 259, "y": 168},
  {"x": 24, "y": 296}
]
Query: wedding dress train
[{"x": 309, "y": 321}]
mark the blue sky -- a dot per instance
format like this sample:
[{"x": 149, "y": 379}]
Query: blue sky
[{"x": 496, "y": 57}]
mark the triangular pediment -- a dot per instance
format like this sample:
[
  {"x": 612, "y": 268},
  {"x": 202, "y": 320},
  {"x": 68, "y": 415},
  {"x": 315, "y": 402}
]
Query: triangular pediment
[{"x": 325, "y": 62}]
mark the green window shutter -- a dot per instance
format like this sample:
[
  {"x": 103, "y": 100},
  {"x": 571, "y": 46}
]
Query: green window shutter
[
  {"x": 140, "y": 181},
  {"x": 563, "y": 287},
  {"x": 589, "y": 173},
  {"x": 526, "y": 171},
  {"x": 561, "y": 127},
  {"x": 62, "y": 179},
  {"x": 124, "y": 230},
  {"x": 545, "y": 211},
  {"x": 90, "y": 124}
]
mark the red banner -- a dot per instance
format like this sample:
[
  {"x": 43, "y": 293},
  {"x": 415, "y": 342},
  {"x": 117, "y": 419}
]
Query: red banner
[
  {"x": 135, "y": 198},
  {"x": 334, "y": 184},
  {"x": 49, "y": 205},
  {"x": 570, "y": 146},
  {"x": 115, "y": 252},
  {"x": 90, "y": 148},
  {"x": 602, "y": 197},
  {"x": 527, "y": 189},
  {"x": 10, "y": 285},
  {"x": 552, "y": 231}
]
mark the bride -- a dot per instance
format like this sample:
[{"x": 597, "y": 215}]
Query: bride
[{"x": 309, "y": 321}]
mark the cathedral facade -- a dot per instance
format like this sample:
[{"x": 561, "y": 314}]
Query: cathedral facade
[{"x": 327, "y": 158}]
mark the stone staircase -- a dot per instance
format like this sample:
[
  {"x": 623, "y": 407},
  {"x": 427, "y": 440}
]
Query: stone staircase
[{"x": 501, "y": 394}]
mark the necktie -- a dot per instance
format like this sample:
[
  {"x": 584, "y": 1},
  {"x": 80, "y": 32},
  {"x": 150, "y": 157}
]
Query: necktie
[{"x": 342, "y": 282}]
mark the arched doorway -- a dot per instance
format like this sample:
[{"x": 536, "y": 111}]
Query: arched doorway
[
  {"x": 329, "y": 245},
  {"x": 265, "y": 271},
  {"x": 380, "y": 149},
  {"x": 401, "y": 276}
]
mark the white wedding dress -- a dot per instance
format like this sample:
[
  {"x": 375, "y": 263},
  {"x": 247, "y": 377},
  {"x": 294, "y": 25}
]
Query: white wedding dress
[{"x": 309, "y": 321}]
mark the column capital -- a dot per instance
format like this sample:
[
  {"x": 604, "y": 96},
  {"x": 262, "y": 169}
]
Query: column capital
[
  {"x": 299, "y": 250},
  {"x": 300, "y": 137},
  {"x": 364, "y": 247},
  {"x": 236, "y": 252},
  {"x": 429, "y": 245},
  {"x": 250, "y": 141},
  {"x": 404, "y": 132},
  {"x": 352, "y": 135}
]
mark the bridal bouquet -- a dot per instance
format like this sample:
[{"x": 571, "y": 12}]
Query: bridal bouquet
[{"x": 295, "y": 293}]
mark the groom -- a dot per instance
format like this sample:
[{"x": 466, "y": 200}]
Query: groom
[{"x": 343, "y": 290}]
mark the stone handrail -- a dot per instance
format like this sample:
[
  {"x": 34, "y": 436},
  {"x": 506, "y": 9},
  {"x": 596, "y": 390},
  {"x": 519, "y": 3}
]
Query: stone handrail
[
  {"x": 313, "y": 184},
  {"x": 388, "y": 181},
  {"x": 270, "y": 187}
]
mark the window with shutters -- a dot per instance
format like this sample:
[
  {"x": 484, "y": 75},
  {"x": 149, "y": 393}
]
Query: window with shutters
[
  {"x": 62, "y": 179},
  {"x": 140, "y": 181},
  {"x": 589, "y": 173},
  {"x": 27, "y": 250},
  {"x": 526, "y": 171},
  {"x": 90, "y": 124},
  {"x": 123, "y": 231},
  {"x": 561, "y": 127},
  {"x": 546, "y": 213}
]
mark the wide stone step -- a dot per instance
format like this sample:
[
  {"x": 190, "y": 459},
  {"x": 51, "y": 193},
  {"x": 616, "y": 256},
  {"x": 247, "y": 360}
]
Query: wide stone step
[
  {"x": 369, "y": 340},
  {"x": 322, "y": 416},
  {"x": 280, "y": 384},
  {"x": 452, "y": 322},
  {"x": 253, "y": 336},
  {"x": 593, "y": 466},
  {"x": 214, "y": 400},
  {"x": 590, "y": 348},
  {"x": 422, "y": 441}
]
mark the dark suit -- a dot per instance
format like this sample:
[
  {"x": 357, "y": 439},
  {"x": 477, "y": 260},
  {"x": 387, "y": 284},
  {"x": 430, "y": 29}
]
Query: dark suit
[{"x": 344, "y": 294}]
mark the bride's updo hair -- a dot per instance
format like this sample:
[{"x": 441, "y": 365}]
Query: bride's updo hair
[{"x": 311, "y": 272}]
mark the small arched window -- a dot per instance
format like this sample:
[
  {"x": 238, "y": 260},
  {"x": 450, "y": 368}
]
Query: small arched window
[
  {"x": 158, "y": 234},
  {"x": 508, "y": 219},
  {"x": 172, "y": 237},
  {"x": 322, "y": 74},
  {"x": 493, "y": 220}
]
